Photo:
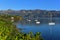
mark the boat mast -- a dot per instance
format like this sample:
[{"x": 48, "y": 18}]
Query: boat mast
[{"x": 51, "y": 17}]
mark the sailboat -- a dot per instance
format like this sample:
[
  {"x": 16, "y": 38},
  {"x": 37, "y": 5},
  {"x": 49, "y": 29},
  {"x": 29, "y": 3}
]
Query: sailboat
[
  {"x": 37, "y": 22},
  {"x": 51, "y": 23}
]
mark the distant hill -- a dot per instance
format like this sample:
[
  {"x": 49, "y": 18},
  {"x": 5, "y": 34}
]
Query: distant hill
[{"x": 32, "y": 13}]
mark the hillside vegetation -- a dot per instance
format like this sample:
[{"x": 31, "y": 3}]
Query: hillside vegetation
[{"x": 8, "y": 31}]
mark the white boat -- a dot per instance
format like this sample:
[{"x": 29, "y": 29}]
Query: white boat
[
  {"x": 51, "y": 23},
  {"x": 37, "y": 22}
]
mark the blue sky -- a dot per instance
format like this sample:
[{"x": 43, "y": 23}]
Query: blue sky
[{"x": 30, "y": 4}]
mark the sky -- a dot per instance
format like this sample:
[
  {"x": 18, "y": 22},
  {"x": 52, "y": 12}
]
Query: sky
[{"x": 30, "y": 4}]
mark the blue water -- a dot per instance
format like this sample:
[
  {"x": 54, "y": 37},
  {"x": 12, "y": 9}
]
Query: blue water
[{"x": 47, "y": 32}]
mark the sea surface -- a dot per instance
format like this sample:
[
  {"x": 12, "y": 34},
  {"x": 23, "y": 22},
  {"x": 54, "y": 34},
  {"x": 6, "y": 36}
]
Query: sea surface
[{"x": 48, "y": 32}]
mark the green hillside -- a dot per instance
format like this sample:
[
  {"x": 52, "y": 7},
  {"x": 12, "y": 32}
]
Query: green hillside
[{"x": 8, "y": 31}]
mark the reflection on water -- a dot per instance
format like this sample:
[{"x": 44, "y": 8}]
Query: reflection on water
[{"x": 47, "y": 32}]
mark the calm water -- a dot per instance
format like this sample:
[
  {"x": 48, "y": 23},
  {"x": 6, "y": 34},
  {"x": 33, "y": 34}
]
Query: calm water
[{"x": 47, "y": 32}]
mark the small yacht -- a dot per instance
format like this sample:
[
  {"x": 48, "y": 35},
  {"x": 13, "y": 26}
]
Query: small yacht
[
  {"x": 51, "y": 23},
  {"x": 37, "y": 22}
]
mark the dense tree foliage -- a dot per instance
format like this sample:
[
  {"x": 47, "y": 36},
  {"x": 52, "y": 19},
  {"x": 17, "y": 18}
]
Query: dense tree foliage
[{"x": 8, "y": 31}]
